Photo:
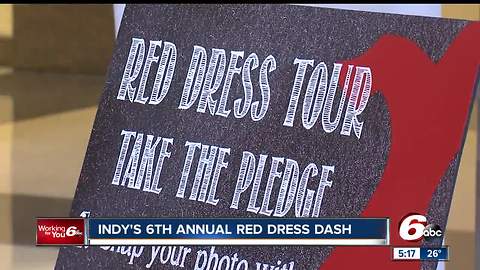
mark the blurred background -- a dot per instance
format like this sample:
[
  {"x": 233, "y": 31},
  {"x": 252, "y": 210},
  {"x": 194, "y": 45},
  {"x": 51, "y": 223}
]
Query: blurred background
[{"x": 53, "y": 61}]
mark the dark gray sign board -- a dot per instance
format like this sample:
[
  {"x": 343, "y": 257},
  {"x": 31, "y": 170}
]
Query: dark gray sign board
[{"x": 276, "y": 111}]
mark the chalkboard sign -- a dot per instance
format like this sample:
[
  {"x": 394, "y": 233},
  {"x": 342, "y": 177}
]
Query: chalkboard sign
[{"x": 276, "y": 111}]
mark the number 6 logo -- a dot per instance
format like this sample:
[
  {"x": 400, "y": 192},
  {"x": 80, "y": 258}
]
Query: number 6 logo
[
  {"x": 412, "y": 227},
  {"x": 71, "y": 231}
]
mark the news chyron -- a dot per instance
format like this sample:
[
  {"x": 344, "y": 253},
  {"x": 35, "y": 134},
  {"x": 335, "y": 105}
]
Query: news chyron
[{"x": 423, "y": 238}]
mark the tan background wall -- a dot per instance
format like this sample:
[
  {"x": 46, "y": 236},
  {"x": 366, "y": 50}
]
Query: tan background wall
[
  {"x": 56, "y": 58},
  {"x": 6, "y": 20},
  {"x": 6, "y": 33},
  {"x": 461, "y": 11},
  {"x": 460, "y": 233},
  {"x": 57, "y": 38}
]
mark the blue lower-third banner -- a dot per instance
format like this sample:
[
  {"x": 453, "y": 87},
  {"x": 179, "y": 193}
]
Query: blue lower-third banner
[{"x": 228, "y": 231}]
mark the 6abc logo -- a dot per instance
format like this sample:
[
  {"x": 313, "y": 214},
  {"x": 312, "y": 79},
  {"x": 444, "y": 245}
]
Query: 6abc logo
[{"x": 414, "y": 227}]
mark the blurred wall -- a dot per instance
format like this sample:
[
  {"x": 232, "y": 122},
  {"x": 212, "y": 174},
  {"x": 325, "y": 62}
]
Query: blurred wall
[
  {"x": 58, "y": 38},
  {"x": 6, "y": 33},
  {"x": 6, "y": 20},
  {"x": 461, "y": 225}
]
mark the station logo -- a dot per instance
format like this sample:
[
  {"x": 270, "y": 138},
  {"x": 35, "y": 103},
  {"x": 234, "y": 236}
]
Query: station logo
[
  {"x": 413, "y": 227},
  {"x": 60, "y": 231}
]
